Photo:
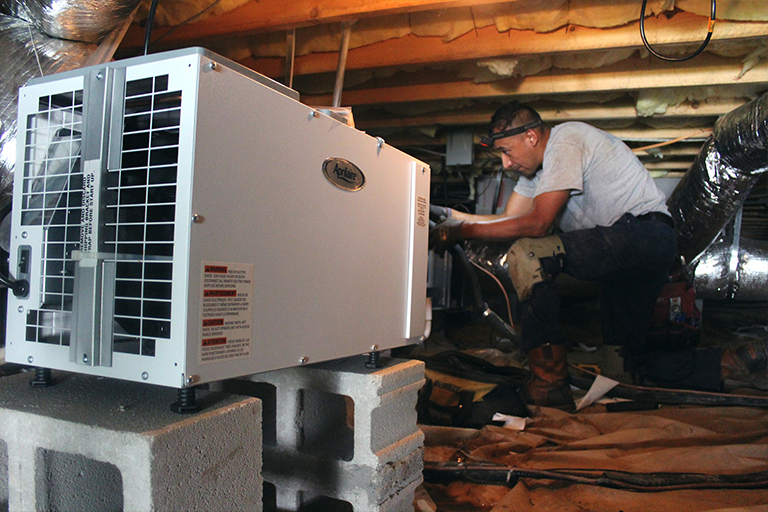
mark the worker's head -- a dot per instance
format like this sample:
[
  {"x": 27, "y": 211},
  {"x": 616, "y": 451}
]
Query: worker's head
[{"x": 519, "y": 134}]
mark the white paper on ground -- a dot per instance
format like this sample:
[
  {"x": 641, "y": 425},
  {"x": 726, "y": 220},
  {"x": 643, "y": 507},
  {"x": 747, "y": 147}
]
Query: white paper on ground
[
  {"x": 599, "y": 388},
  {"x": 512, "y": 422}
]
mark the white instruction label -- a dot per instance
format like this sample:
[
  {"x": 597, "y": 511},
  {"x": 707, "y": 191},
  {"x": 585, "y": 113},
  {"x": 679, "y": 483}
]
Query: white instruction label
[{"x": 227, "y": 311}]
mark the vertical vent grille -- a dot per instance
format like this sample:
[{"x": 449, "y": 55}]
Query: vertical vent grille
[
  {"x": 140, "y": 213},
  {"x": 52, "y": 194}
]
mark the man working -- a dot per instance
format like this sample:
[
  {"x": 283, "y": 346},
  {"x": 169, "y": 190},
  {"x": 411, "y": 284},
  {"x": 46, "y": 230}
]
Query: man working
[{"x": 616, "y": 230}]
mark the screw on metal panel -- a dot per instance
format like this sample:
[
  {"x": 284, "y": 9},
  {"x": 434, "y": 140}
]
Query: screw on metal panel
[
  {"x": 303, "y": 360},
  {"x": 422, "y": 339},
  {"x": 99, "y": 75},
  {"x": 21, "y": 309},
  {"x": 190, "y": 379},
  {"x": 30, "y": 359},
  {"x": 313, "y": 114},
  {"x": 144, "y": 375},
  {"x": 24, "y": 234},
  {"x": 423, "y": 170},
  {"x": 85, "y": 358},
  {"x": 196, "y": 218},
  {"x": 379, "y": 142},
  {"x": 212, "y": 65},
  {"x": 374, "y": 347}
]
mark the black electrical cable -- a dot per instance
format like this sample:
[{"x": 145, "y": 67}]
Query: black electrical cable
[
  {"x": 150, "y": 20},
  {"x": 710, "y": 28}
]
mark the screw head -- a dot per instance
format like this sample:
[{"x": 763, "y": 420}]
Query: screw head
[
  {"x": 303, "y": 360},
  {"x": 144, "y": 375},
  {"x": 85, "y": 358},
  {"x": 21, "y": 309},
  {"x": 30, "y": 359},
  {"x": 24, "y": 234},
  {"x": 374, "y": 347}
]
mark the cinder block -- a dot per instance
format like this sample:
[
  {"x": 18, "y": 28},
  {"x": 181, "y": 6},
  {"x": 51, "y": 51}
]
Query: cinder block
[
  {"x": 345, "y": 432},
  {"x": 94, "y": 444}
]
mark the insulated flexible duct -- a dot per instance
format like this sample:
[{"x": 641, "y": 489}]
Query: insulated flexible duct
[
  {"x": 24, "y": 54},
  {"x": 728, "y": 271},
  {"x": 77, "y": 20},
  {"x": 708, "y": 198}
]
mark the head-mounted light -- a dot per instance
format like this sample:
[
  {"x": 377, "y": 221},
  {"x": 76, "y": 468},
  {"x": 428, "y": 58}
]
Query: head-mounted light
[{"x": 492, "y": 137}]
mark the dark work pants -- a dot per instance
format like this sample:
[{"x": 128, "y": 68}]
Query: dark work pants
[{"x": 631, "y": 261}]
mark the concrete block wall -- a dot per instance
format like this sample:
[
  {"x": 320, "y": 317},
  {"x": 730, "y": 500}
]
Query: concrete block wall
[
  {"x": 342, "y": 434},
  {"x": 92, "y": 444}
]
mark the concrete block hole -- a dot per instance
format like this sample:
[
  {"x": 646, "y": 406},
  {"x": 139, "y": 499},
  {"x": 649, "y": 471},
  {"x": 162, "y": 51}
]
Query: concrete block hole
[
  {"x": 306, "y": 502},
  {"x": 328, "y": 424},
  {"x": 98, "y": 485}
]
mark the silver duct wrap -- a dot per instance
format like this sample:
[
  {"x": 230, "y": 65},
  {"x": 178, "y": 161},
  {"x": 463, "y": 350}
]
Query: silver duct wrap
[
  {"x": 21, "y": 45},
  {"x": 706, "y": 199},
  {"x": 491, "y": 258},
  {"x": 728, "y": 271},
  {"x": 77, "y": 20},
  {"x": 709, "y": 197}
]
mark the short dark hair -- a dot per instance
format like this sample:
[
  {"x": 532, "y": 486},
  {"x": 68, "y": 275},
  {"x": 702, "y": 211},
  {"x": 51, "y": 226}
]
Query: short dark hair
[{"x": 511, "y": 115}]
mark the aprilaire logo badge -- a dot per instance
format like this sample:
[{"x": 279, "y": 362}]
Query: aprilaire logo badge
[{"x": 344, "y": 174}]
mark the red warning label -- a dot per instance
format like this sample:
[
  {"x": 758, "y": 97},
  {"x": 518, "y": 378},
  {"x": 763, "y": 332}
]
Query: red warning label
[
  {"x": 220, "y": 293},
  {"x": 210, "y": 342},
  {"x": 226, "y": 311}
]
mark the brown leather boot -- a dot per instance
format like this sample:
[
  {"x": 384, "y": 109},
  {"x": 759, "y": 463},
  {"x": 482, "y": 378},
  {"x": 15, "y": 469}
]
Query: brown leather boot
[
  {"x": 549, "y": 386},
  {"x": 746, "y": 364}
]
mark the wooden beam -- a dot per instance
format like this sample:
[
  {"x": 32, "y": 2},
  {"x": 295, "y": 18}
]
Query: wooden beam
[
  {"x": 272, "y": 15},
  {"x": 630, "y": 74},
  {"x": 489, "y": 43},
  {"x": 631, "y": 134},
  {"x": 557, "y": 114}
]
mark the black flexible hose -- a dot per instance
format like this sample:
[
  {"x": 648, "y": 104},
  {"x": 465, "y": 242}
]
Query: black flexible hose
[
  {"x": 638, "y": 482},
  {"x": 150, "y": 20},
  {"x": 476, "y": 294},
  {"x": 710, "y": 28}
]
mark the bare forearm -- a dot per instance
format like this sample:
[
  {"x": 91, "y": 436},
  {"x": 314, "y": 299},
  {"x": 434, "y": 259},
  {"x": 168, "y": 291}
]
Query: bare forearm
[
  {"x": 506, "y": 228},
  {"x": 473, "y": 217}
]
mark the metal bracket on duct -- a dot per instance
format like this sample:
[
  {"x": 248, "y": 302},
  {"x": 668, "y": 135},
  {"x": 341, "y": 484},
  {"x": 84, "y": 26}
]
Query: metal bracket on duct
[{"x": 709, "y": 198}]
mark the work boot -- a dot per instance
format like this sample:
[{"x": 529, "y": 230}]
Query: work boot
[
  {"x": 746, "y": 364},
  {"x": 549, "y": 386}
]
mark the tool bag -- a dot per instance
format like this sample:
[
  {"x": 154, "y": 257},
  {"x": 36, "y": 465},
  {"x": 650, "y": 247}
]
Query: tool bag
[
  {"x": 676, "y": 320},
  {"x": 466, "y": 391}
]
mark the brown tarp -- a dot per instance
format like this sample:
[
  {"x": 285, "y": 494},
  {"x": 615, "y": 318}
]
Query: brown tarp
[{"x": 709, "y": 440}]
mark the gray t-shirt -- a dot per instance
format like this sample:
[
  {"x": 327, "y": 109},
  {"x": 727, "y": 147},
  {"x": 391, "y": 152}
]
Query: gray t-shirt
[{"x": 605, "y": 178}]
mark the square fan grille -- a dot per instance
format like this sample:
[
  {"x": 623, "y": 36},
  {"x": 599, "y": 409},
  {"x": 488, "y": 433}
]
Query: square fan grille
[{"x": 139, "y": 205}]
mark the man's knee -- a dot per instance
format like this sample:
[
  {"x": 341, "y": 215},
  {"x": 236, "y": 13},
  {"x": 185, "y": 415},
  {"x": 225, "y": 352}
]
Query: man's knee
[{"x": 524, "y": 262}]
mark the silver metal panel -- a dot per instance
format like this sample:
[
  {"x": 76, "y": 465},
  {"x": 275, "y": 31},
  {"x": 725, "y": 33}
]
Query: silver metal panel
[
  {"x": 232, "y": 178},
  {"x": 335, "y": 271}
]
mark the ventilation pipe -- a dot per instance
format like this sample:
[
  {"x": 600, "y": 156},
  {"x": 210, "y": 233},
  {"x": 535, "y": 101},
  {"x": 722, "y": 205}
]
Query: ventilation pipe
[
  {"x": 45, "y": 37},
  {"x": 706, "y": 206}
]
